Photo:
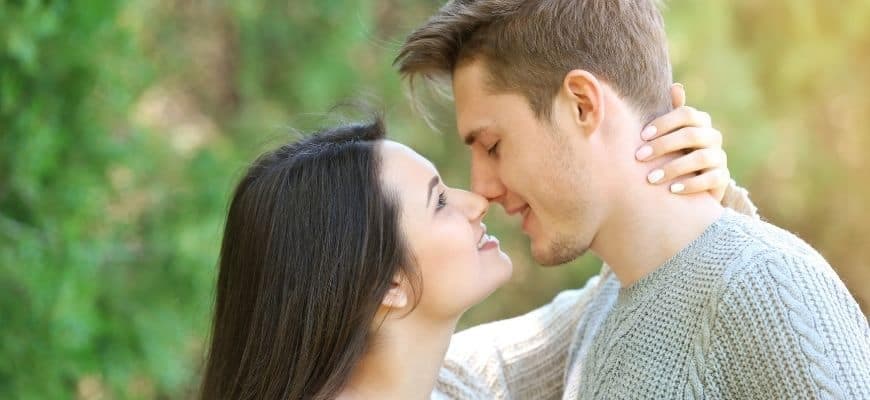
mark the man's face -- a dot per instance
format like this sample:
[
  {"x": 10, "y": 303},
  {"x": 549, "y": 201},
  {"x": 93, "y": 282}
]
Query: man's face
[{"x": 540, "y": 170}]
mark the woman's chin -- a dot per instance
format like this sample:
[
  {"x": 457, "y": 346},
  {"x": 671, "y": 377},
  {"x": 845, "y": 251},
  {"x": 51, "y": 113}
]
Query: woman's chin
[{"x": 502, "y": 271}]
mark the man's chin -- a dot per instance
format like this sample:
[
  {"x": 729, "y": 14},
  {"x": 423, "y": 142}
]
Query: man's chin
[{"x": 553, "y": 254}]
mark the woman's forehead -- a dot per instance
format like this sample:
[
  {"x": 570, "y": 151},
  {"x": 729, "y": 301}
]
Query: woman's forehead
[{"x": 399, "y": 157}]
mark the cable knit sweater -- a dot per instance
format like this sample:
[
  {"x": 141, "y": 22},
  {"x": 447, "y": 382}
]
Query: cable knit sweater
[{"x": 746, "y": 311}]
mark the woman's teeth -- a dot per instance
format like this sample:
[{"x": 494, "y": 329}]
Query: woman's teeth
[{"x": 483, "y": 240}]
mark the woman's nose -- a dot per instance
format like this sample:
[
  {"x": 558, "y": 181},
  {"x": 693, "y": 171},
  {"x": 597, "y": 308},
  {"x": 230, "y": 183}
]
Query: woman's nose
[{"x": 475, "y": 205}]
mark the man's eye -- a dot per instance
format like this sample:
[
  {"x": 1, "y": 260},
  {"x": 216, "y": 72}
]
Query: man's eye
[{"x": 493, "y": 151}]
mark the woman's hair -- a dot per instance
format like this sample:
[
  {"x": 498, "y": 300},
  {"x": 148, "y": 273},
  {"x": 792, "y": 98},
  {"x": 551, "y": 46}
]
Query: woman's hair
[{"x": 311, "y": 245}]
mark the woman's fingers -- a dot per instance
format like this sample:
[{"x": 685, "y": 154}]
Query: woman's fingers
[
  {"x": 678, "y": 95},
  {"x": 715, "y": 180},
  {"x": 676, "y": 119},
  {"x": 695, "y": 162},
  {"x": 703, "y": 170},
  {"x": 704, "y": 165},
  {"x": 688, "y": 138}
]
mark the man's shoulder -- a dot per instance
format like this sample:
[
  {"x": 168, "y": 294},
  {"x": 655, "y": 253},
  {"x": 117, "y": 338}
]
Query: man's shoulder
[
  {"x": 762, "y": 243},
  {"x": 776, "y": 262},
  {"x": 782, "y": 301}
]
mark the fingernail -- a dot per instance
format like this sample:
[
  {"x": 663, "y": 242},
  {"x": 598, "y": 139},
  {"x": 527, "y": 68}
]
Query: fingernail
[
  {"x": 677, "y": 188},
  {"x": 655, "y": 176},
  {"x": 644, "y": 153},
  {"x": 648, "y": 132},
  {"x": 680, "y": 85}
]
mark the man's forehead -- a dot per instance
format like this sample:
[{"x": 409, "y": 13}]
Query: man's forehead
[
  {"x": 472, "y": 120},
  {"x": 472, "y": 72},
  {"x": 469, "y": 86}
]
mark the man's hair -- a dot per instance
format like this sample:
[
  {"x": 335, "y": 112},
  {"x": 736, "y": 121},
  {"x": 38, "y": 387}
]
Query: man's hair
[{"x": 528, "y": 46}]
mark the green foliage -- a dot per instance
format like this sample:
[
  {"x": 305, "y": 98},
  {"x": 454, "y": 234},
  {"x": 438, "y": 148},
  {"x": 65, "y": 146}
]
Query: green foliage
[
  {"x": 105, "y": 247},
  {"x": 124, "y": 125}
]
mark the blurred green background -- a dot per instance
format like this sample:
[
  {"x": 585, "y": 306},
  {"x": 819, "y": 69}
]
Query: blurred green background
[{"x": 125, "y": 124}]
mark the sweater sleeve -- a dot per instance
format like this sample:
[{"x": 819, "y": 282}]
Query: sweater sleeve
[
  {"x": 519, "y": 358},
  {"x": 737, "y": 199},
  {"x": 787, "y": 327}
]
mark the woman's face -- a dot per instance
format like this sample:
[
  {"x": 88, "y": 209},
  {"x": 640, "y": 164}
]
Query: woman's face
[{"x": 460, "y": 265}]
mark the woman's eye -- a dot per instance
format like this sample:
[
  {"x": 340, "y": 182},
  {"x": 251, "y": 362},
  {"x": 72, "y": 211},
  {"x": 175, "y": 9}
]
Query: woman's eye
[
  {"x": 442, "y": 201},
  {"x": 493, "y": 151}
]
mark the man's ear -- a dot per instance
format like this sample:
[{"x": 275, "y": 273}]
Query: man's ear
[
  {"x": 397, "y": 295},
  {"x": 586, "y": 95}
]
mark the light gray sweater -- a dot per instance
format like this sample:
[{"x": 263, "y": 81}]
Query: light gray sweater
[{"x": 747, "y": 311}]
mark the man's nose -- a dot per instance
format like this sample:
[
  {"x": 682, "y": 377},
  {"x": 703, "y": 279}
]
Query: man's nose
[{"x": 485, "y": 181}]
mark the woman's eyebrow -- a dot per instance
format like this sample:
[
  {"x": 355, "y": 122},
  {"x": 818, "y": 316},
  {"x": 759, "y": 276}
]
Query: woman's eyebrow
[{"x": 432, "y": 183}]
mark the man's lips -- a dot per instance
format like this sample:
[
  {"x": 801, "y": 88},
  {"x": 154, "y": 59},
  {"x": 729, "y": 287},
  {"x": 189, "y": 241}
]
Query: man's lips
[
  {"x": 526, "y": 212},
  {"x": 516, "y": 210},
  {"x": 523, "y": 211}
]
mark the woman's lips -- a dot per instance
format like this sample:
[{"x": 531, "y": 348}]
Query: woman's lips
[{"x": 491, "y": 243}]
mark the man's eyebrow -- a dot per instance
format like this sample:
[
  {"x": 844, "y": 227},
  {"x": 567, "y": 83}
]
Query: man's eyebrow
[
  {"x": 432, "y": 183},
  {"x": 471, "y": 136}
]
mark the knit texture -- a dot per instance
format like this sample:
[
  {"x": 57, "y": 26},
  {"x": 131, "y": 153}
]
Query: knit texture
[{"x": 745, "y": 311}]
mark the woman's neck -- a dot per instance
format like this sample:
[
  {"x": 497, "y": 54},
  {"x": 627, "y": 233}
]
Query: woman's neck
[{"x": 403, "y": 362}]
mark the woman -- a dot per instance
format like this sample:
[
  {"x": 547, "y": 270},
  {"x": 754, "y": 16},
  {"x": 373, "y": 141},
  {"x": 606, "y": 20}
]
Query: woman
[{"x": 346, "y": 263}]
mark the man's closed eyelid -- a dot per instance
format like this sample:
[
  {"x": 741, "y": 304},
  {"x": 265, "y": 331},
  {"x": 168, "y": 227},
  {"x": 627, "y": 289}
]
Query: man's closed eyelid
[{"x": 493, "y": 150}]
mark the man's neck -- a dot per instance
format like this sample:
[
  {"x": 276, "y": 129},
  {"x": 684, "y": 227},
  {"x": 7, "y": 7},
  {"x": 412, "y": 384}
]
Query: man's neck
[
  {"x": 650, "y": 228},
  {"x": 403, "y": 363}
]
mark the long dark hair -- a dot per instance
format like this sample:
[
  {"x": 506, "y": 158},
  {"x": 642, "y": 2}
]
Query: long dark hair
[{"x": 311, "y": 244}]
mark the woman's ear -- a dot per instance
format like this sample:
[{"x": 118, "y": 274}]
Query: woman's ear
[{"x": 397, "y": 296}]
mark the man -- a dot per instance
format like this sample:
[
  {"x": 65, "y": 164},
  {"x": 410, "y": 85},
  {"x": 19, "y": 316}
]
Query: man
[{"x": 698, "y": 301}]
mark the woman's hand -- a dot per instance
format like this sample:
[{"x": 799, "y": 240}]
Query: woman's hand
[{"x": 703, "y": 165}]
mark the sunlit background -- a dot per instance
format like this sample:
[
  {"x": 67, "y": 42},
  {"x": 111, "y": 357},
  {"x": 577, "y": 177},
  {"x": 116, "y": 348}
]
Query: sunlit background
[{"x": 125, "y": 124}]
